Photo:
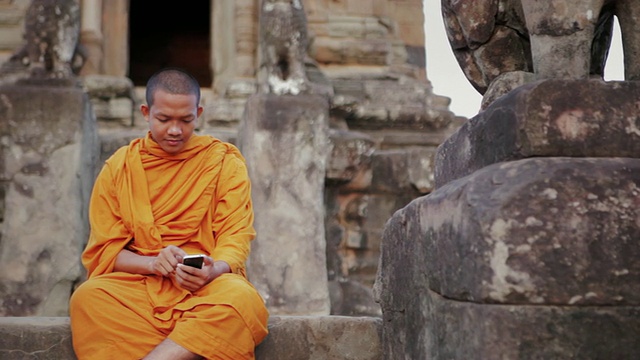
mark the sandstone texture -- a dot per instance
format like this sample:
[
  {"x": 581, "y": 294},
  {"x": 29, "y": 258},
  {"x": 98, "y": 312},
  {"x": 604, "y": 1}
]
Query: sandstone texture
[{"x": 515, "y": 257}]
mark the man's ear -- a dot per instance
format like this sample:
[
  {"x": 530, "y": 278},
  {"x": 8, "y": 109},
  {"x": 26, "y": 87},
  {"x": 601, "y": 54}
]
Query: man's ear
[
  {"x": 144, "y": 109},
  {"x": 200, "y": 108}
]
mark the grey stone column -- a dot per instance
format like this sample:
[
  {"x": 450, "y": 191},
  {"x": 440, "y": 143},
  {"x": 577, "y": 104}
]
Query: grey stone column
[
  {"x": 48, "y": 148},
  {"x": 285, "y": 142}
]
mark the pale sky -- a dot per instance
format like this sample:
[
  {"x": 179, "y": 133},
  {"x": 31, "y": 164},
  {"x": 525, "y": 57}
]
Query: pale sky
[{"x": 447, "y": 78}]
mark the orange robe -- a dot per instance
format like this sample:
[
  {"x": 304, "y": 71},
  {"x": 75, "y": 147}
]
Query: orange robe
[{"x": 144, "y": 200}]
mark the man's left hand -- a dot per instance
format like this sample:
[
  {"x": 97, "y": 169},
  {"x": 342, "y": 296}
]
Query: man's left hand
[{"x": 193, "y": 279}]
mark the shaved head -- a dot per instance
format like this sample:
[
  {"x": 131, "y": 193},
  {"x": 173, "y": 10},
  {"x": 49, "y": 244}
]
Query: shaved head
[{"x": 173, "y": 81}]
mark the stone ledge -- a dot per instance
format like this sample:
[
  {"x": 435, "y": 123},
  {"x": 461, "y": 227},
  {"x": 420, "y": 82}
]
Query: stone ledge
[{"x": 290, "y": 337}]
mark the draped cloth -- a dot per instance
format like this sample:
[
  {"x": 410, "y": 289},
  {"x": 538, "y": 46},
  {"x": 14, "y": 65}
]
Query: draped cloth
[{"x": 143, "y": 200}]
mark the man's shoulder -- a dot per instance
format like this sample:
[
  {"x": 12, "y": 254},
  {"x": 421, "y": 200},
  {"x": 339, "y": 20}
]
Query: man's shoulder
[
  {"x": 221, "y": 146},
  {"x": 118, "y": 157}
]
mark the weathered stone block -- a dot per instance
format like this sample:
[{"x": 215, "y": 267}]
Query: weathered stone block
[
  {"x": 534, "y": 231},
  {"x": 577, "y": 118},
  {"x": 321, "y": 337},
  {"x": 352, "y": 298},
  {"x": 524, "y": 234},
  {"x": 35, "y": 338},
  {"x": 350, "y": 51},
  {"x": 224, "y": 112},
  {"x": 108, "y": 87},
  {"x": 116, "y": 112},
  {"x": 350, "y": 154},
  {"x": 356, "y": 27},
  {"x": 389, "y": 103},
  {"x": 408, "y": 170},
  {"x": 286, "y": 144},
  {"x": 441, "y": 328},
  {"x": 49, "y": 150}
]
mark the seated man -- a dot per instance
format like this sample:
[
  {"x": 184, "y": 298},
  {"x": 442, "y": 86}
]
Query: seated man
[{"x": 161, "y": 197}]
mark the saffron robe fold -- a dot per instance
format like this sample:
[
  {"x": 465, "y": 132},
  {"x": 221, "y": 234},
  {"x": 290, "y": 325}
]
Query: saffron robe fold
[{"x": 143, "y": 200}]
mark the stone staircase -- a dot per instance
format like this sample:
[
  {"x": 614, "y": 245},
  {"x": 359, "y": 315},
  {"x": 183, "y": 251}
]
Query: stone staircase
[{"x": 290, "y": 338}]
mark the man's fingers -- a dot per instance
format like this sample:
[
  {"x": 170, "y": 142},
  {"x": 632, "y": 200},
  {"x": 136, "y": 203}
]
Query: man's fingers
[
  {"x": 188, "y": 270},
  {"x": 176, "y": 252},
  {"x": 172, "y": 255},
  {"x": 168, "y": 268},
  {"x": 189, "y": 277},
  {"x": 208, "y": 260}
]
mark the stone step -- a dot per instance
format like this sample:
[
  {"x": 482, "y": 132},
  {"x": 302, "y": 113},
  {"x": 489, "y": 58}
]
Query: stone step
[{"x": 290, "y": 337}]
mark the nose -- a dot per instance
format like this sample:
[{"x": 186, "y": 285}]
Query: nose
[{"x": 174, "y": 129}]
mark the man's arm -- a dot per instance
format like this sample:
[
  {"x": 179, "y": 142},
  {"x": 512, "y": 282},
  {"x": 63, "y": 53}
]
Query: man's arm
[
  {"x": 128, "y": 261},
  {"x": 108, "y": 234},
  {"x": 233, "y": 215},
  {"x": 163, "y": 264}
]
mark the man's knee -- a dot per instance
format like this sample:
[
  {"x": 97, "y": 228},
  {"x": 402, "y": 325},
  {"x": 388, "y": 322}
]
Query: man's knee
[{"x": 84, "y": 294}]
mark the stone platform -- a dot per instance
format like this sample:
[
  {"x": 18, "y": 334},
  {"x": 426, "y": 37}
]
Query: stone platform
[{"x": 290, "y": 337}]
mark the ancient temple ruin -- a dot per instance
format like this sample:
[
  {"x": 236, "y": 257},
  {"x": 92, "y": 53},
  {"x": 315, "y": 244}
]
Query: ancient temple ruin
[
  {"x": 380, "y": 125},
  {"x": 510, "y": 235},
  {"x": 367, "y": 57}
]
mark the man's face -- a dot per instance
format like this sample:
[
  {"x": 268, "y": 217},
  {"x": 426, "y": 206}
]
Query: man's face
[{"x": 171, "y": 119}]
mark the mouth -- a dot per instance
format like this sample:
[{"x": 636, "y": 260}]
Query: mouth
[{"x": 173, "y": 142}]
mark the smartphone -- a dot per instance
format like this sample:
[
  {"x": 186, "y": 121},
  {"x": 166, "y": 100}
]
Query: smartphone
[{"x": 195, "y": 261}]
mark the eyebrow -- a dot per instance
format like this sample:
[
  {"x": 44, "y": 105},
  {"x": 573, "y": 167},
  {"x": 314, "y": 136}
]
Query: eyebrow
[{"x": 161, "y": 114}]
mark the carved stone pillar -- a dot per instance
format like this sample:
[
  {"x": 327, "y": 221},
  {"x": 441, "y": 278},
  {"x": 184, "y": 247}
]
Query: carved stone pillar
[
  {"x": 116, "y": 34},
  {"x": 91, "y": 36},
  {"x": 233, "y": 40},
  {"x": 246, "y": 35},
  {"x": 285, "y": 141},
  {"x": 222, "y": 43}
]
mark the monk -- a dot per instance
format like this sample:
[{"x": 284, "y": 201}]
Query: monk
[{"x": 156, "y": 200}]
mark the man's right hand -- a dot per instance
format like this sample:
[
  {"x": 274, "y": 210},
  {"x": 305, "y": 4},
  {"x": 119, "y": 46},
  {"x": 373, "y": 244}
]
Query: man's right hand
[{"x": 167, "y": 260}]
